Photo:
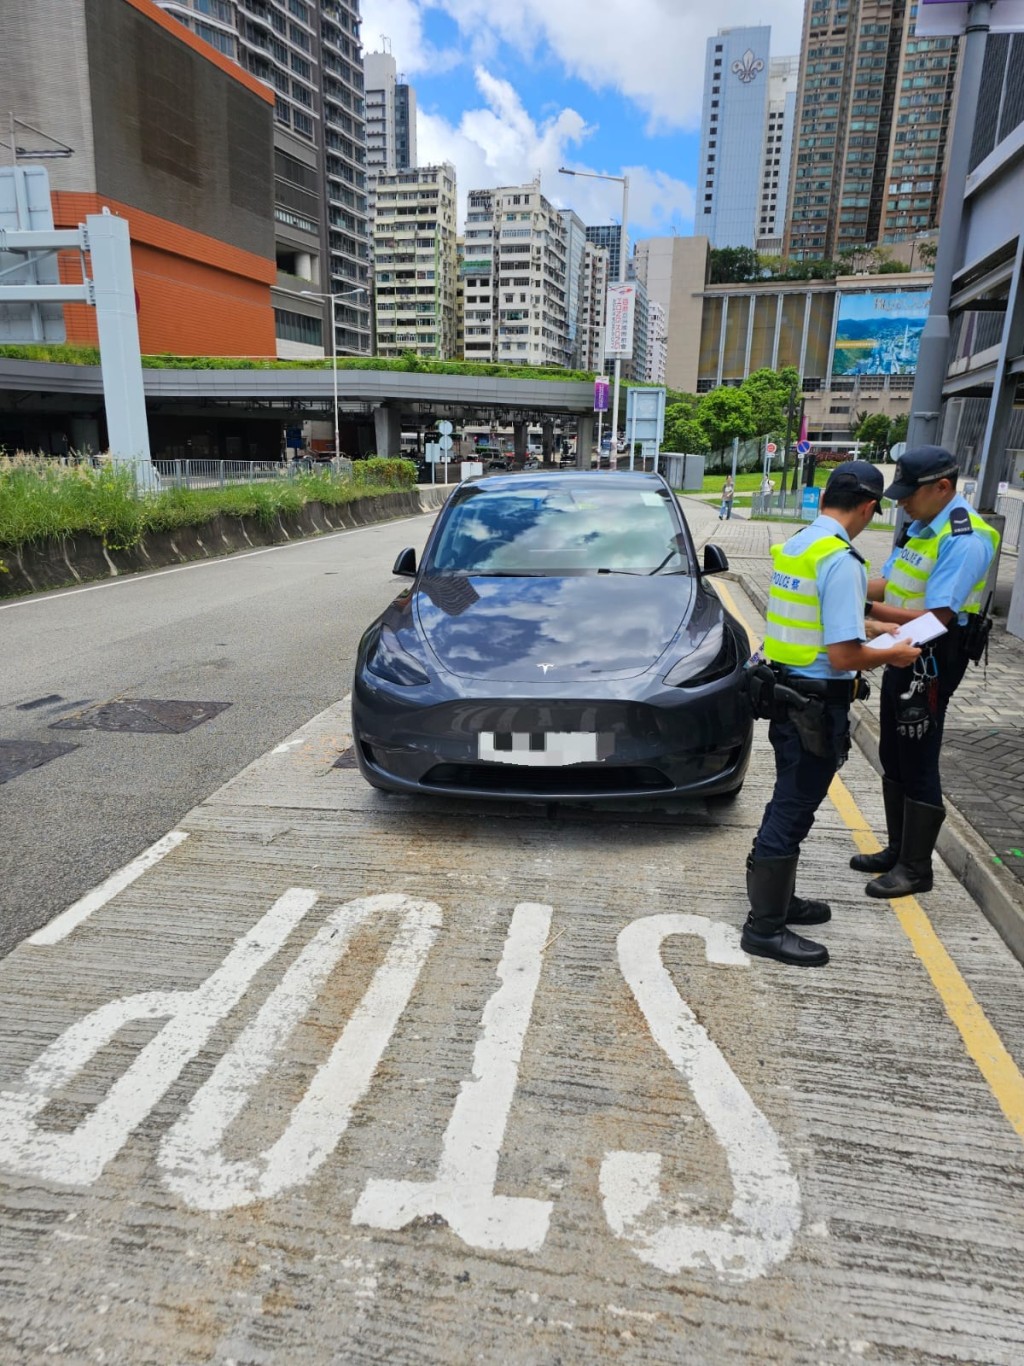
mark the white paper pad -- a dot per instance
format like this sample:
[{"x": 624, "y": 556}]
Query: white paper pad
[{"x": 916, "y": 632}]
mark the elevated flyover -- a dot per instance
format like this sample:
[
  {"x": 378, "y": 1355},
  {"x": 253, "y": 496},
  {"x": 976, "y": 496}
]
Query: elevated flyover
[{"x": 38, "y": 398}]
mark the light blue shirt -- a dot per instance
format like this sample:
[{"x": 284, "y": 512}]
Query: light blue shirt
[
  {"x": 961, "y": 562},
  {"x": 842, "y": 590}
]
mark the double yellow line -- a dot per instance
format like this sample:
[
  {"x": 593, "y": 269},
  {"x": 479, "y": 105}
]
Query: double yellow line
[{"x": 980, "y": 1039}]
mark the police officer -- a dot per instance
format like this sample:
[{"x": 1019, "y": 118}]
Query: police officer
[
  {"x": 815, "y": 642},
  {"x": 941, "y": 567}
]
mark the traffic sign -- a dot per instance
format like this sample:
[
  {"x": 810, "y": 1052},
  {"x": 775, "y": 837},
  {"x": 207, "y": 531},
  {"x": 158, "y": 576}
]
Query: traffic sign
[
  {"x": 771, "y": 448},
  {"x": 445, "y": 428},
  {"x": 445, "y": 442},
  {"x": 802, "y": 447},
  {"x": 898, "y": 451}
]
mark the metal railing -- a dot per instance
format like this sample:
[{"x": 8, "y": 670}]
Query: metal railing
[
  {"x": 1013, "y": 510},
  {"x": 211, "y": 474},
  {"x": 789, "y": 504}
]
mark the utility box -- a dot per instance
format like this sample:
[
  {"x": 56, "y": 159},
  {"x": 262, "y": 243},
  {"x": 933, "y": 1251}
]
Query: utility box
[{"x": 684, "y": 472}]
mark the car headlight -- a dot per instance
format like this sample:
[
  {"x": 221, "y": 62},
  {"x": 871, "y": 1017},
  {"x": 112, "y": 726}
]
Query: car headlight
[
  {"x": 388, "y": 660},
  {"x": 713, "y": 658}
]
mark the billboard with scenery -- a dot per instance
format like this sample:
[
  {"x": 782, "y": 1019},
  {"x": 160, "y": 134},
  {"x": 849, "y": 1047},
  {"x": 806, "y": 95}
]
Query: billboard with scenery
[{"x": 879, "y": 333}]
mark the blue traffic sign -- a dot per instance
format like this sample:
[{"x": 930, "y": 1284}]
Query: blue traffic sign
[{"x": 802, "y": 447}]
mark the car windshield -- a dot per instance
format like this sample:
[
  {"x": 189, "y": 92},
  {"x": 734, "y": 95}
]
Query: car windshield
[{"x": 553, "y": 530}]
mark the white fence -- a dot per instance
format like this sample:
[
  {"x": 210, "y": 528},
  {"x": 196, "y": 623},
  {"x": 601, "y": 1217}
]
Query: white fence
[{"x": 211, "y": 474}]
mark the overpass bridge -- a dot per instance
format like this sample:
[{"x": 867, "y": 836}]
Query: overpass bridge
[{"x": 242, "y": 413}]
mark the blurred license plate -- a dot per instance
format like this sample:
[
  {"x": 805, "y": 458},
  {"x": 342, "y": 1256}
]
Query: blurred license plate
[{"x": 542, "y": 749}]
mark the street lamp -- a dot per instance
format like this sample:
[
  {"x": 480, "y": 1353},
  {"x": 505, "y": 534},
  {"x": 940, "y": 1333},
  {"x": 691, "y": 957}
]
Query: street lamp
[
  {"x": 622, "y": 180},
  {"x": 345, "y": 294}
]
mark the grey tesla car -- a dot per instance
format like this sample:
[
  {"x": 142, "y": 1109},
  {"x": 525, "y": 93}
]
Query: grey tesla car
[{"x": 557, "y": 642}]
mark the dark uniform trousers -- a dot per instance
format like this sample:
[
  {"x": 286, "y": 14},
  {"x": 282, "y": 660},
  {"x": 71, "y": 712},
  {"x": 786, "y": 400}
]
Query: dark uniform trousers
[
  {"x": 911, "y": 761},
  {"x": 801, "y": 783}
]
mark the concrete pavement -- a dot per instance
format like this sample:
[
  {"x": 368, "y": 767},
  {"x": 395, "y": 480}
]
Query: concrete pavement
[{"x": 983, "y": 751}]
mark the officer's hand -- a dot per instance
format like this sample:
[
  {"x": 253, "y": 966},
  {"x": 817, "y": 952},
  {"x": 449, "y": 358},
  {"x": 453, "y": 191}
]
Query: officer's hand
[
  {"x": 880, "y": 628},
  {"x": 902, "y": 654}
]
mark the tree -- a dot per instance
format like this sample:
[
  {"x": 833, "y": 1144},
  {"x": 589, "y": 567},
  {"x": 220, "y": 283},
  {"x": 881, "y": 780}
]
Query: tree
[
  {"x": 725, "y": 414},
  {"x": 683, "y": 430},
  {"x": 898, "y": 429},
  {"x": 926, "y": 254},
  {"x": 874, "y": 428},
  {"x": 769, "y": 392},
  {"x": 735, "y": 265}
]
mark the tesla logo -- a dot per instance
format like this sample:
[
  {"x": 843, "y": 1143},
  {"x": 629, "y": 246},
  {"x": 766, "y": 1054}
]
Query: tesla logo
[{"x": 545, "y": 667}]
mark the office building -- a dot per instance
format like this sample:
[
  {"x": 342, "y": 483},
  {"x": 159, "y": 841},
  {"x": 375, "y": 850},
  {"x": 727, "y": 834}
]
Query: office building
[
  {"x": 608, "y": 235},
  {"x": 514, "y": 271},
  {"x": 674, "y": 271},
  {"x": 872, "y": 117},
  {"x": 415, "y": 262},
  {"x": 309, "y": 53},
  {"x": 190, "y": 176}
]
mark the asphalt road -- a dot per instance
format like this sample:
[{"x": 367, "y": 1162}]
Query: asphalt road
[{"x": 273, "y": 633}]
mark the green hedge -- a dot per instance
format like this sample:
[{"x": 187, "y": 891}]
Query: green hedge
[{"x": 89, "y": 355}]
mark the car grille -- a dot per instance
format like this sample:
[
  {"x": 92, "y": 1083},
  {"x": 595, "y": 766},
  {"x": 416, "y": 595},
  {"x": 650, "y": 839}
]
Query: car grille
[{"x": 577, "y": 779}]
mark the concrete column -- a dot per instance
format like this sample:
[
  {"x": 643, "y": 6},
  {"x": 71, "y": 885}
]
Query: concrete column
[
  {"x": 520, "y": 435},
  {"x": 584, "y": 440},
  {"x": 85, "y": 435},
  {"x": 548, "y": 441},
  {"x": 387, "y": 428}
]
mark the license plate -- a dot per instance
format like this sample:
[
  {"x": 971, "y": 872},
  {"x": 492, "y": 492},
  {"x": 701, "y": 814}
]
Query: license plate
[{"x": 538, "y": 749}]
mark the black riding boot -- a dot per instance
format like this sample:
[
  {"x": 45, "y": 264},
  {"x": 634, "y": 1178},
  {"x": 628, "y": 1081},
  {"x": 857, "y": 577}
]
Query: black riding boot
[
  {"x": 770, "y": 883},
  {"x": 886, "y": 859},
  {"x": 913, "y": 872},
  {"x": 802, "y": 910}
]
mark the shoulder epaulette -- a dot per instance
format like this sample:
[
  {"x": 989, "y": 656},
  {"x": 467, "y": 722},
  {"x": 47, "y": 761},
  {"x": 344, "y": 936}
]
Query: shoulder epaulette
[{"x": 960, "y": 522}]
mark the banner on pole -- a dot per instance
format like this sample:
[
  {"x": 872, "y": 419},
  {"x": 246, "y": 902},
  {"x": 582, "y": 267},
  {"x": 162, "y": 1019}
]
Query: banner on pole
[
  {"x": 600, "y": 395},
  {"x": 621, "y": 313}
]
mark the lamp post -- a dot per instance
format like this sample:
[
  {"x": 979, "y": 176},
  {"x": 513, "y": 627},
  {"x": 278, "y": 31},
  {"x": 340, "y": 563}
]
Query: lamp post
[
  {"x": 345, "y": 294},
  {"x": 622, "y": 180}
]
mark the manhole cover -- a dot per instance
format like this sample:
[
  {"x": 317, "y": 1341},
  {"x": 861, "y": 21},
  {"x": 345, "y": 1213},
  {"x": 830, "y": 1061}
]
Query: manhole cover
[
  {"x": 142, "y": 715},
  {"x": 18, "y": 756}
]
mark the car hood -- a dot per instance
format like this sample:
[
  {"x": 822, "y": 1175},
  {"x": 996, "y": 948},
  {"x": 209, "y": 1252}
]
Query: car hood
[{"x": 581, "y": 628}]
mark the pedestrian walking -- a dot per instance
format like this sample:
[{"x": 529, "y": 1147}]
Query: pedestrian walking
[
  {"x": 941, "y": 567},
  {"x": 814, "y": 648},
  {"x": 728, "y": 494}
]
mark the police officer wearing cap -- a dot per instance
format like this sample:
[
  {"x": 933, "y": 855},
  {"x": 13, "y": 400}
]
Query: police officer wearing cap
[
  {"x": 815, "y": 648},
  {"x": 941, "y": 567}
]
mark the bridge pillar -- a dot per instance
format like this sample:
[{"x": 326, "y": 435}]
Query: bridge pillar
[
  {"x": 387, "y": 428},
  {"x": 520, "y": 432},
  {"x": 548, "y": 441},
  {"x": 584, "y": 440}
]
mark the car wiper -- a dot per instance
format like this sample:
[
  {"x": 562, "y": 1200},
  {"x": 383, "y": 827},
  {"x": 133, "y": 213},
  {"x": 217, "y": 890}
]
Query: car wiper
[{"x": 507, "y": 574}]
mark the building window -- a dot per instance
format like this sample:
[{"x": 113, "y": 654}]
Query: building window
[{"x": 297, "y": 327}]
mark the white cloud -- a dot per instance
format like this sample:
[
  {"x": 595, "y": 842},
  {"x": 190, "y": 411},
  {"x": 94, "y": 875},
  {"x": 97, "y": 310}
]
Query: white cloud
[
  {"x": 399, "y": 24},
  {"x": 500, "y": 143},
  {"x": 650, "y": 51}
]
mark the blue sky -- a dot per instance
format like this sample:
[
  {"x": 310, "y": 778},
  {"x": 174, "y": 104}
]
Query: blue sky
[{"x": 508, "y": 89}]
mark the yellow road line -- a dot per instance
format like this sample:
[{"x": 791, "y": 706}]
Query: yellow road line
[
  {"x": 982, "y": 1042},
  {"x": 980, "y": 1039}
]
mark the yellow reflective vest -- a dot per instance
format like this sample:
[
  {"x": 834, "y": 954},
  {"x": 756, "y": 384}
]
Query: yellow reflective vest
[
  {"x": 795, "y": 634},
  {"x": 911, "y": 571}
]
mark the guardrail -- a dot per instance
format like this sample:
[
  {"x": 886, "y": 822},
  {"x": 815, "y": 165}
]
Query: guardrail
[
  {"x": 210, "y": 474},
  {"x": 789, "y": 505},
  {"x": 1013, "y": 510}
]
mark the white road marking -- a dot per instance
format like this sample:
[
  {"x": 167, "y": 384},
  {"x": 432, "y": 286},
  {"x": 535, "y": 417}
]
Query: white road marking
[
  {"x": 766, "y": 1211},
  {"x": 192, "y": 1156},
  {"x": 144, "y": 576},
  {"x": 463, "y": 1191},
  {"x": 61, "y": 925},
  {"x": 79, "y": 1156}
]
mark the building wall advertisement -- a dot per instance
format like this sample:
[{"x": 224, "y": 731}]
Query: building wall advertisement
[{"x": 879, "y": 333}]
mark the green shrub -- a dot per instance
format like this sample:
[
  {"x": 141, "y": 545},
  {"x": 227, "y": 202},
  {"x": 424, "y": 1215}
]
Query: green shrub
[{"x": 381, "y": 471}]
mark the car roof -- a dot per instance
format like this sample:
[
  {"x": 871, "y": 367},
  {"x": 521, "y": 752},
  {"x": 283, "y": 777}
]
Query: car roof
[{"x": 559, "y": 479}]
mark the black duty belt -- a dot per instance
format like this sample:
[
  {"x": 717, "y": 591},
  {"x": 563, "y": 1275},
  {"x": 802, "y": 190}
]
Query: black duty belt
[{"x": 841, "y": 691}]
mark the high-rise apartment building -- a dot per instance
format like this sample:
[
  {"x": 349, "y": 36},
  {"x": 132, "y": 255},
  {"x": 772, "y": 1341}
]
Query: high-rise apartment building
[
  {"x": 515, "y": 277},
  {"x": 675, "y": 270},
  {"x": 657, "y": 343},
  {"x": 872, "y": 119},
  {"x": 575, "y": 249},
  {"x": 309, "y": 52},
  {"x": 746, "y": 133},
  {"x": 783, "y": 74},
  {"x": 608, "y": 235},
  {"x": 415, "y": 259},
  {"x": 594, "y": 295}
]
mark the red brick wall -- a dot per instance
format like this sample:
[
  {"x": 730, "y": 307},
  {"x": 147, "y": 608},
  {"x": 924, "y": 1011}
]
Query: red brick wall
[{"x": 197, "y": 296}]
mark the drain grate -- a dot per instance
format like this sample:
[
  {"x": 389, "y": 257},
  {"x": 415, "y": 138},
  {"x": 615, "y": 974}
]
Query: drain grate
[
  {"x": 19, "y": 756},
  {"x": 142, "y": 716}
]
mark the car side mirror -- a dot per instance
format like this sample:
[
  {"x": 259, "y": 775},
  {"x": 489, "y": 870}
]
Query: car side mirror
[
  {"x": 715, "y": 560},
  {"x": 405, "y": 565}
]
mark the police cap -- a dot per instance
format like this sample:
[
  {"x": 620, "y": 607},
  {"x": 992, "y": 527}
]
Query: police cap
[
  {"x": 855, "y": 476},
  {"x": 922, "y": 465}
]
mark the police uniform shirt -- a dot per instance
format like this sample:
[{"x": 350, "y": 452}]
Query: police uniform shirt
[
  {"x": 962, "y": 561},
  {"x": 842, "y": 589}
]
